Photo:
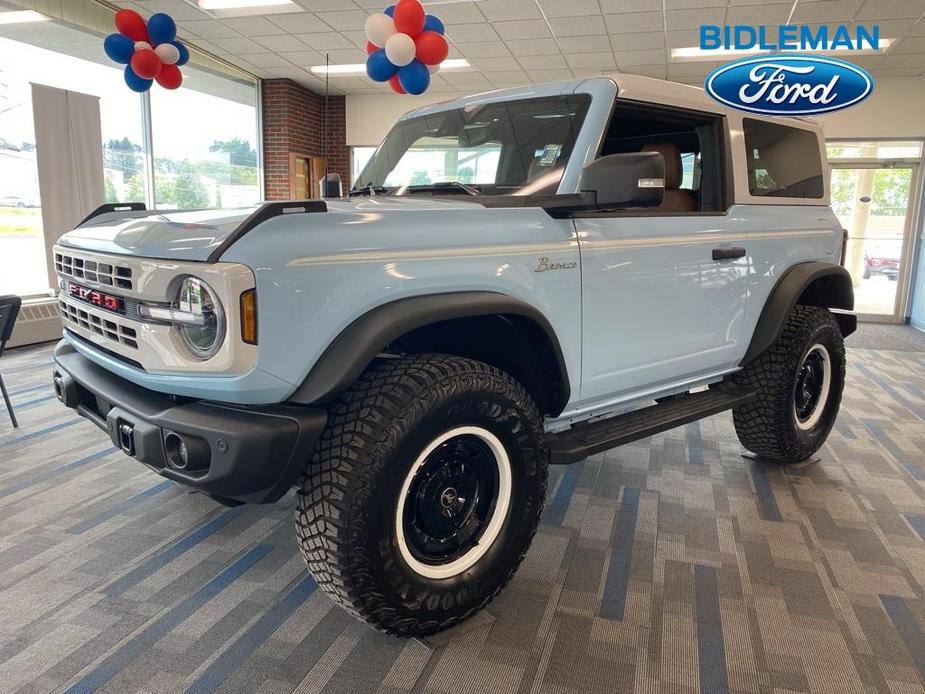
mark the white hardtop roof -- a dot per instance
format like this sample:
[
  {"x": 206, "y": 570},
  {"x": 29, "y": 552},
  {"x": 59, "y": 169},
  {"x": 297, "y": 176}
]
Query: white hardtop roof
[{"x": 632, "y": 87}]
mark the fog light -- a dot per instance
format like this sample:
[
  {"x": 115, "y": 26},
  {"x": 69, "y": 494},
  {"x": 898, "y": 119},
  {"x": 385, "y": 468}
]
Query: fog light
[{"x": 187, "y": 453}]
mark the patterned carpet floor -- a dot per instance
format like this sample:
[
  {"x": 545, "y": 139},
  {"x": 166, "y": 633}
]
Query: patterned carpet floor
[{"x": 671, "y": 565}]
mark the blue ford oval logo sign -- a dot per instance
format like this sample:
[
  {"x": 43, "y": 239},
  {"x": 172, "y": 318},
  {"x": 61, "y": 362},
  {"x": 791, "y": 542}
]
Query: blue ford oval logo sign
[{"x": 789, "y": 85}]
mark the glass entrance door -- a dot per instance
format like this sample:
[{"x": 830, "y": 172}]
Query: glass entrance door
[{"x": 874, "y": 203}]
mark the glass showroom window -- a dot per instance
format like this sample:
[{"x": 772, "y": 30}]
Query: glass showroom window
[
  {"x": 23, "y": 269},
  {"x": 22, "y": 248},
  {"x": 205, "y": 142}
]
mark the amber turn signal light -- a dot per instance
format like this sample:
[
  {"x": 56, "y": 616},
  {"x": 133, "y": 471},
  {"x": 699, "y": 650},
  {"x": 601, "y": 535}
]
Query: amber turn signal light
[{"x": 249, "y": 316}]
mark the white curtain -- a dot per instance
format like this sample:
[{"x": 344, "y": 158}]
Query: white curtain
[{"x": 69, "y": 153}]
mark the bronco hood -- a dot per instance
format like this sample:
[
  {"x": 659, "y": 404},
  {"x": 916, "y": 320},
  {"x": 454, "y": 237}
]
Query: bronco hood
[{"x": 203, "y": 235}]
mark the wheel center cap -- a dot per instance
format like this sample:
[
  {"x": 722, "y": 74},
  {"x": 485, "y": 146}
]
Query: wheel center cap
[{"x": 448, "y": 497}]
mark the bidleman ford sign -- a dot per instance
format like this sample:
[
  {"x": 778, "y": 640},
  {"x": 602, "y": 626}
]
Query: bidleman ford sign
[{"x": 787, "y": 84}]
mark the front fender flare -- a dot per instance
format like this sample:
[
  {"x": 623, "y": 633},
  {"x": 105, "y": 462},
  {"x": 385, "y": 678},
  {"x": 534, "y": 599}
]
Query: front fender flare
[
  {"x": 813, "y": 283},
  {"x": 351, "y": 352}
]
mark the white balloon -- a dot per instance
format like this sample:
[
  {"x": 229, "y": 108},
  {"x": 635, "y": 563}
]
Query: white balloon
[
  {"x": 434, "y": 69},
  {"x": 379, "y": 27},
  {"x": 400, "y": 49},
  {"x": 142, "y": 45},
  {"x": 168, "y": 53}
]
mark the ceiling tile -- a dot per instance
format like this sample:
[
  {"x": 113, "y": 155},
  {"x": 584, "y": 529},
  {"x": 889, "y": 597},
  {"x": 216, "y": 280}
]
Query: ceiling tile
[
  {"x": 910, "y": 60},
  {"x": 592, "y": 25},
  {"x": 239, "y": 45},
  {"x": 495, "y": 64},
  {"x": 657, "y": 71},
  {"x": 569, "y": 8},
  {"x": 285, "y": 42},
  {"x": 534, "y": 46},
  {"x": 754, "y": 14},
  {"x": 179, "y": 10},
  {"x": 300, "y": 23},
  {"x": 305, "y": 58},
  {"x": 640, "y": 41},
  {"x": 550, "y": 75},
  {"x": 630, "y": 22},
  {"x": 693, "y": 19},
  {"x": 325, "y": 41},
  {"x": 683, "y": 39},
  {"x": 267, "y": 60},
  {"x": 496, "y": 10},
  {"x": 891, "y": 9},
  {"x": 912, "y": 44},
  {"x": 627, "y": 59},
  {"x": 622, "y": 6},
  {"x": 252, "y": 26},
  {"x": 542, "y": 62},
  {"x": 484, "y": 49},
  {"x": 586, "y": 44},
  {"x": 825, "y": 11},
  {"x": 600, "y": 61},
  {"x": 357, "y": 38},
  {"x": 350, "y": 20},
  {"x": 524, "y": 29},
  {"x": 471, "y": 32},
  {"x": 689, "y": 4},
  {"x": 510, "y": 77},
  {"x": 209, "y": 29}
]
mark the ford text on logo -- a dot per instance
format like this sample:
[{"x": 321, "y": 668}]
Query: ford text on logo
[{"x": 789, "y": 85}]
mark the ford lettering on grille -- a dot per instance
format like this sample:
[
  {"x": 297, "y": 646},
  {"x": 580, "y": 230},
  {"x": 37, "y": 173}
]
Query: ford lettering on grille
[
  {"x": 789, "y": 85},
  {"x": 95, "y": 298}
]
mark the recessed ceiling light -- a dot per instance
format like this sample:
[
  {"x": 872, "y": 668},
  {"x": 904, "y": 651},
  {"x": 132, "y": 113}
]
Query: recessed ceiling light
[
  {"x": 239, "y": 4},
  {"x": 360, "y": 68},
  {"x": 695, "y": 53},
  {"x": 20, "y": 16}
]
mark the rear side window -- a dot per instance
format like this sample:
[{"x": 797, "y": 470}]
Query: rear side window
[{"x": 783, "y": 162}]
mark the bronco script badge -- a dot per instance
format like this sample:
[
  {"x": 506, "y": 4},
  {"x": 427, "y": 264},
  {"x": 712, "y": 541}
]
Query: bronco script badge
[{"x": 789, "y": 85}]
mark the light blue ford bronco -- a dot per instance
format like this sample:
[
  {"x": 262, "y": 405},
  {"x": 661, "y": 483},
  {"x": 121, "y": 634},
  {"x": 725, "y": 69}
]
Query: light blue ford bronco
[{"x": 517, "y": 279}]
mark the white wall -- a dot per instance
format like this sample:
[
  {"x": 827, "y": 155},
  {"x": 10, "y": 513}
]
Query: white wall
[
  {"x": 895, "y": 110},
  {"x": 370, "y": 116}
]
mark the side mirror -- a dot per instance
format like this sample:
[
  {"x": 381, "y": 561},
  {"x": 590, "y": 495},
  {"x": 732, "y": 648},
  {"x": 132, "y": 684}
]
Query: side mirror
[{"x": 636, "y": 179}]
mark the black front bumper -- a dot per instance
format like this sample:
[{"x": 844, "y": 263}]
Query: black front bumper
[{"x": 236, "y": 453}]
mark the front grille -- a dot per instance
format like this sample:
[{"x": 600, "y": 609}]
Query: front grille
[
  {"x": 91, "y": 271},
  {"x": 109, "y": 329}
]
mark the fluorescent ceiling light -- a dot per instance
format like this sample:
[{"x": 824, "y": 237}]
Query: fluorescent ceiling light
[
  {"x": 239, "y": 4},
  {"x": 695, "y": 53},
  {"x": 360, "y": 68},
  {"x": 20, "y": 16}
]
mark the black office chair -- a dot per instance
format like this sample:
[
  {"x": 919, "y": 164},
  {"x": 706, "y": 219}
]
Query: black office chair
[{"x": 9, "y": 310}]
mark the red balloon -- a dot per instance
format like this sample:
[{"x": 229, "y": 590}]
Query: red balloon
[
  {"x": 396, "y": 85},
  {"x": 371, "y": 48},
  {"x": 146, "y": 64},
  {"x": 131, "y": 24},
  {"x": 409, "y": 17},
  {"x": 432, "y": 48},
  {"x": 169, "y": 77}
]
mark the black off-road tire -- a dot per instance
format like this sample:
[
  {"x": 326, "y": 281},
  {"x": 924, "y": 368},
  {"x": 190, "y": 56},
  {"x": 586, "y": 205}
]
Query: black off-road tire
[
  {"x": 348, "y": 496},
  {"x": 768, "y": 426}
]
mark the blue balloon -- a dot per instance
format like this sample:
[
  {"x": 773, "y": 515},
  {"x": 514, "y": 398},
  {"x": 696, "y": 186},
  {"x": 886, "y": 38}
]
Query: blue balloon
[
  {"x": 184, "y": 53},
  {"x": 390, "y": 10},
  {"x": 136, "y": 83},
  {"x": 379, "y": 67},
  {"x": 414, "y": 77},
  {"x": 119, "y": 48},
  {"x": 161, "y": 29},
  {"x": 432, "y": 23}
]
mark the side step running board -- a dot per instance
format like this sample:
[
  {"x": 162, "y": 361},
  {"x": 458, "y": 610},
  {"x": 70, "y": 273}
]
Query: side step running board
[{"x": 586, "y": 439}]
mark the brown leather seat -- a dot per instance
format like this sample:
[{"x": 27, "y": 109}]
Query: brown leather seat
[{"x": 676, "y": 200}]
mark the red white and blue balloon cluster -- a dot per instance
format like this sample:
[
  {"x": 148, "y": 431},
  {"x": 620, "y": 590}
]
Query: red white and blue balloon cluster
[
  {"x": 149, "y": 50},
  {"x": 405, "y": 46}
]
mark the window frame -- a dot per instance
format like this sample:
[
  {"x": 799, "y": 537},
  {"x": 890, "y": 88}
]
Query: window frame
[
  {"x": 793, "y": 126},
  {"x": 724, "y": 183}
]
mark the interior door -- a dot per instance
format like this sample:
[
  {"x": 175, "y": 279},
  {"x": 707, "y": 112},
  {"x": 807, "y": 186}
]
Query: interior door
[
  {"x": 873, "y": 202},
  {"x": 658, "y": 308}
]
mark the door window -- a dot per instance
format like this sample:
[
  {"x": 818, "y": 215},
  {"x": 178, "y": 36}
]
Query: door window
[{"x": 690, "y": 142}]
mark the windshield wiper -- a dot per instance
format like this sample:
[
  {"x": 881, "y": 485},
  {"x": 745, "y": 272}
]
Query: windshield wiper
[
  {"x": 439, "y": 186},
  {"x": 368, "y": 190}
]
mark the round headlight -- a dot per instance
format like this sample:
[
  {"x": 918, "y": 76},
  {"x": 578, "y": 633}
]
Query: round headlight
[{"x": 204, "y": 336}]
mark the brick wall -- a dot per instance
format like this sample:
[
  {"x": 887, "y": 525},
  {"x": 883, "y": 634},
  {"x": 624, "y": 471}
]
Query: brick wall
[{"x": 293, "y": 121}]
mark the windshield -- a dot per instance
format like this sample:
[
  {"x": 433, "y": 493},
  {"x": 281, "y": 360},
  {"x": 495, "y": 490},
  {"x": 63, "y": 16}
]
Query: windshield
[{"x": 503, "y": 148}]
